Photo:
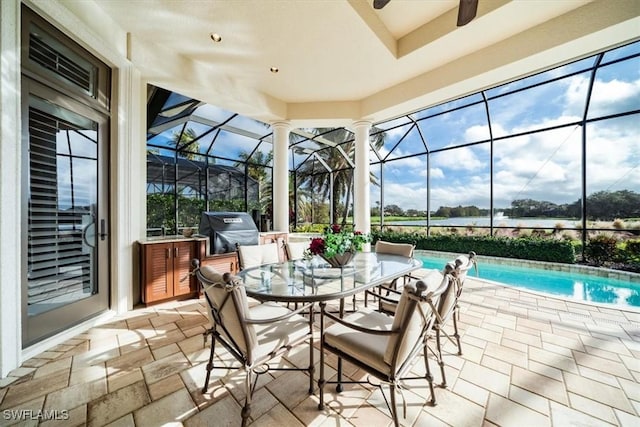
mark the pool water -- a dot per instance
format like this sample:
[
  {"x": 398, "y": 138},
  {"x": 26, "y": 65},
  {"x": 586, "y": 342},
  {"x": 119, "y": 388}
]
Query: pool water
[{"x": 577, "y": 286}]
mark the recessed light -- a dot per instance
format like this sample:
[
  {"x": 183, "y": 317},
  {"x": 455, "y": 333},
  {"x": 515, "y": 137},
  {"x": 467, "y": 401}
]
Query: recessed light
[
  {"x": 274, "y": 69},
  {"x": 216, "y": 37}
]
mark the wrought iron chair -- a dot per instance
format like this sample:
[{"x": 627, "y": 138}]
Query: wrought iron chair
[
  {"x": 448, "y": 306},
  {"x": 254, "y": 336},
  {"x": 381, "y": 345},
  {"x": 384, "y": 247}
]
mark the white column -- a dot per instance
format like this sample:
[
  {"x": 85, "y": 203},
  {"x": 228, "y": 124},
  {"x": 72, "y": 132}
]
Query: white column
[
  {"x": 10, "y": 189},
  {"x": 128, "y": 187},
  {"x": 361, "y": 199},
  {"x": 280, "y": 176}
]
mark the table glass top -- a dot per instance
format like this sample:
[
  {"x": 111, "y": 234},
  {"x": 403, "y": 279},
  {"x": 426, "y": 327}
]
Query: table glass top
[{"x": 315, "y": 280}]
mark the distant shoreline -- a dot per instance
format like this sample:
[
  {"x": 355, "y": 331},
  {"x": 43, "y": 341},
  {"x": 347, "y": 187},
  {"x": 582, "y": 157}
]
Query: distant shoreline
[{"x": 485, "y": 221}]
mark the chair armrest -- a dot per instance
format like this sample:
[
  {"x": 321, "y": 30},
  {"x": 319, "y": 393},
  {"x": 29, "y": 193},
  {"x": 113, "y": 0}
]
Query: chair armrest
[
  {"x": 358, "y": 328},
  {"x": 278, "y": 318}
]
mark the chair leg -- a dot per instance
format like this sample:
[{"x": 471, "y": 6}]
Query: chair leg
[
  {"x": 210, "y": 364},
  {"x": 440, "y": 361},
  {"x": 428, "y": 375},
  {"x": 339, "y": 381},
  {"x": 246, "y": 411},
  {"x": 311, "y": 364},
  {"x": 456, "y": 334},
  {"x": 321, "y": 380},
  {"x": 394, "y": 408}
]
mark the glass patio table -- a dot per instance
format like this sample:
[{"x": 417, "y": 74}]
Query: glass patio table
[{"x": 316, "y": 281}]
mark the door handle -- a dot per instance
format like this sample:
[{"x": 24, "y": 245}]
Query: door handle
[{"x": 103, "y": 229}]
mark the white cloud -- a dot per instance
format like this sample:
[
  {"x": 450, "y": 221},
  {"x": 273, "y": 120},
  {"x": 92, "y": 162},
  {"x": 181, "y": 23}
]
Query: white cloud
[{"x": 463, "y": 158}]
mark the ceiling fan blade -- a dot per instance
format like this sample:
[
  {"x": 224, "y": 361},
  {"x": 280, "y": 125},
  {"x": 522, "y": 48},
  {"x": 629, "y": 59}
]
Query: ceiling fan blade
[
  {"x": 467, "y": 11},
  {"x": 379, "y": 4}
]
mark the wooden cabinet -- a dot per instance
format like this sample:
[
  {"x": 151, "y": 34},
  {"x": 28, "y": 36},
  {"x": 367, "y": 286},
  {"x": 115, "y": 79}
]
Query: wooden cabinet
[
  {"x": 165, "y": 270},
  {"x": 166, "y": 264},
  {"x": 222, "y": 262}
]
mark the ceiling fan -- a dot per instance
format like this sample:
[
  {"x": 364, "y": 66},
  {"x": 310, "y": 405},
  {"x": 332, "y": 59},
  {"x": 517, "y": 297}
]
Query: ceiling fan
[{"x": 466, "y": 10}]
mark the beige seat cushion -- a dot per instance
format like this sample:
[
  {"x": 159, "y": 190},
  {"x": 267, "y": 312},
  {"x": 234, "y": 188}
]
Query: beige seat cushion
[
  {"x": 407, "y": 315},
  {"x": 211, "y": 274},
  {"x": 404, "y": 249},
  {"x": 295, "y": 250},
  {"x": 432, "y": 278},
  {"x": 232, "y": 313},
  {"x": 464, "y": 265},
  {"x": 256, "y": 255},
  {"x": 273, "y": 336},
  {"x": 390, "y": 248},
  {"x": 367, "y": 348},
  {"x": 256, "y": 341}
]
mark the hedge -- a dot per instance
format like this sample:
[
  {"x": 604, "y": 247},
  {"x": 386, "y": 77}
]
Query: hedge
[{"x": 530, "y": 248}]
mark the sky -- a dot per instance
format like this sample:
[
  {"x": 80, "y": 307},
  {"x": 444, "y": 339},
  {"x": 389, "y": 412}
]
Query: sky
[{"x": 545, "y": 165}]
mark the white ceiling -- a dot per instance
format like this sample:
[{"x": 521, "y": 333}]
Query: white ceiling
[{"x": 341, "y": 60}]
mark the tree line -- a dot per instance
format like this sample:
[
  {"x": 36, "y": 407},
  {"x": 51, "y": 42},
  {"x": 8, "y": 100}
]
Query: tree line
[{"x": 601, "y": 205}]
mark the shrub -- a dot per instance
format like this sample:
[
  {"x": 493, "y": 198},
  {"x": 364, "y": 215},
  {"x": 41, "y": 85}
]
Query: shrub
[
  {"x": 633, "y": 247},
  {"x": 552, "y": 250},
  {"x": 601, "y": 249},
  {"x": 618, "y": 224}
]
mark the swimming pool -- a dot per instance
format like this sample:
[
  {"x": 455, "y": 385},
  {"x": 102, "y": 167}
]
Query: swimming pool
[{"x": 573, "y": 285}]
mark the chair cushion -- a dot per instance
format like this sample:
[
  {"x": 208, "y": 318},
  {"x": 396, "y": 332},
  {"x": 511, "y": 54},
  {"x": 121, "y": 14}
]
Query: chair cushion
[
  {"x": 233, "y": 307},
  {"x": 432, "y": 278},
  {"x": 410, "y": 320},
  {"x": 273, "y": 336},
  {"x": 255, "y": 255},
  {"x": 447, "y": 302},
  {"x": 250, "y": 256},
  {"x": 404, "y": 249},
  {"x": 295, "y": 250},
  {"x": 388, "y": 306},
  {"x": 270, "y": 253},
  {"x": 367, "y": 348},
  {"x": 464, "y": 264},
  {"x": 211, "y": 274}
]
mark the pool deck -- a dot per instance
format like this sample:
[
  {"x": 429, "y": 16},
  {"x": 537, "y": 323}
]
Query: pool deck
[{"x": 528, "y": 360}]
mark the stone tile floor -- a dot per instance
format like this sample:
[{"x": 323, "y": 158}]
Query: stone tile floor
[{"x": 528, "y": 360}]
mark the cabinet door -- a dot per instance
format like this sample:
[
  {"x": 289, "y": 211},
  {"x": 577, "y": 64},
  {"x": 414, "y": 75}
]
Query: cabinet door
[
  {"x": 183, "y": 253},
  {"x": 222, "y": 262},
  {"x": 158, "y": 272}
]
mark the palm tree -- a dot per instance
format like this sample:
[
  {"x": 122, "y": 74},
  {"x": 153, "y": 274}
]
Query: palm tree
[
  {"x": 340, "y": 166},
  {"x": 257, "y": 169},
  {"x": 186, "y": 143}
]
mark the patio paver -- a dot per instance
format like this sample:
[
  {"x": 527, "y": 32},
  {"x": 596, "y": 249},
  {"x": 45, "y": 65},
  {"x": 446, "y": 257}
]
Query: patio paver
[{"x": 528, "y": 360}]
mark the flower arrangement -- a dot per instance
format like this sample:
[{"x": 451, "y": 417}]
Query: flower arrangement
[{"x": 336, "y": 241}]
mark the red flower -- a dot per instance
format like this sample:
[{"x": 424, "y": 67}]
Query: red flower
[
  {"x": 336, "y": 228},
  {"x": 316, "y": 246}
]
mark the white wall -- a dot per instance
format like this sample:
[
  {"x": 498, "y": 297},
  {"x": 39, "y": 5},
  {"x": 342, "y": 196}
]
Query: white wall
[{"x": 10, "y": 327}]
